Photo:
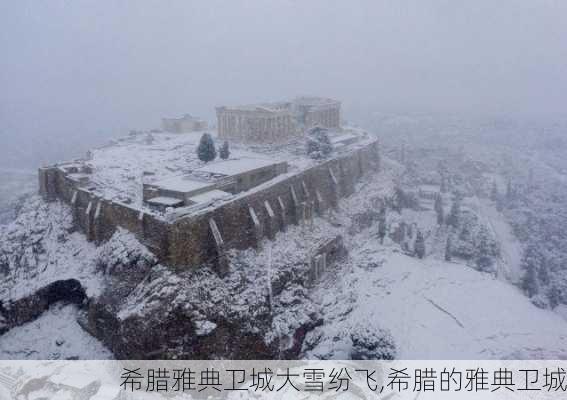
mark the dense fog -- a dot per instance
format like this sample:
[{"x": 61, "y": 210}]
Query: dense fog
[{"x": 76, "y": 73}]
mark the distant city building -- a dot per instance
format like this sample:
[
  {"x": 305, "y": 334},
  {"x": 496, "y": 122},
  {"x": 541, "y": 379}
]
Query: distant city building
[
  {"x": 278, "y": 121},
  {"x": 186, "y": 123}
]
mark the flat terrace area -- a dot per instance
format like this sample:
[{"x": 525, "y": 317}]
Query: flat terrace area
[{"x": 120, "y": 169}]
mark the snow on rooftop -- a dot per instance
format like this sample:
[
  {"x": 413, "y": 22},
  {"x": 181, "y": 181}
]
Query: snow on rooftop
[
  {"x": 271, "y": 107},
  {"x": 209, "y": 196},
  {"x": 236, "y": 166},
  {"x": 183, "y": 184},
  {"x": 344, "y": 137},
  {"x": 165, "y": 201},
  {"x": 120, "y": 168}
]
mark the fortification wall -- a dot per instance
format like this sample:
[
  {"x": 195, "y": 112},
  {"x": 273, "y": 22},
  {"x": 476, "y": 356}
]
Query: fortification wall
[
  {"x": 243, "y": 222},
  {"x": 99, "y": 218},
  {"x": 240, "y": 223}
]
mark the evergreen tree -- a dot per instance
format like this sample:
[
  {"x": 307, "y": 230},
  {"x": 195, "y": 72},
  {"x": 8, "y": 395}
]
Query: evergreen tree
[
  {"x": 224, "y": 151},
  {"x": 402, "y": 199},
  {"x": 484, "y": 261},
  {"x": 529, "y": 281},
  {"x": 443, "y": 187},
  {"x": 454, "y": 214},
  {"x": 318, "y": 143},
  {"x": 554, "y": 295},
  {"x": 371, "y": 343},
  {"x": 206, "y": 150},
  {"x": 419, "y": 246},
  {"x": 403, "y": 237},
  {"x": 532, "y": 263},
  {"x": 439, "y": 209},
  {"x": 382, "y": 229},
  {"x": 448, "y": 249}
]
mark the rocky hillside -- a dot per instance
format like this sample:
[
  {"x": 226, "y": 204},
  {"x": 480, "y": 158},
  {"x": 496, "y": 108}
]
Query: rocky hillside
[{"x": 393, "y": 293}]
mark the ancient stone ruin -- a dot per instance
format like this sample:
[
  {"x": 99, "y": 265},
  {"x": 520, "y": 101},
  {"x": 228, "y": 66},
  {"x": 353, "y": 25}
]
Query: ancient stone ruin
[
  {"x": 277, "y": 122},
  {"x": 192, "y": 216}
]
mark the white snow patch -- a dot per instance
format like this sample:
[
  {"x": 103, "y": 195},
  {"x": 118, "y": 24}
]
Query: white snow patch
[
  {"x": 55, "y": 335},
  {"x": 439, "y": 310}
]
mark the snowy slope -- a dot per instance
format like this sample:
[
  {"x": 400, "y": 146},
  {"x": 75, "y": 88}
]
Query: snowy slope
[
  {"x": 510, "y": 247},
  {"x": 39, "y": 248},
  {"x": 433, "y": 309},
  {"x": 55, "y": 335},
  {"x": 439, "y": 310}
]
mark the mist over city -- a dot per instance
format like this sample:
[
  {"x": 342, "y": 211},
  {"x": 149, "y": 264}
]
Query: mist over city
[{"x": 77, "y": 73}]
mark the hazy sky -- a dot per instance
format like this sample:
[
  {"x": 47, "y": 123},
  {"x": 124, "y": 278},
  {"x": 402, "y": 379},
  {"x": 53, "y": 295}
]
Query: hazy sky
[{"x": 73, "y": 73}]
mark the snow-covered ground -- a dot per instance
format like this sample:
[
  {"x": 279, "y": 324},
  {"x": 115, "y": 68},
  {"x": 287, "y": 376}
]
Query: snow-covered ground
[
  {"x": 436, "y": 310},
  {"x": 510, "y": 247},
  {"x": 37, "y": 248},
  {"x": 118, "y": 167},
  {"x": 55, "y": 335},
  {"x": 433, "y": 308}
]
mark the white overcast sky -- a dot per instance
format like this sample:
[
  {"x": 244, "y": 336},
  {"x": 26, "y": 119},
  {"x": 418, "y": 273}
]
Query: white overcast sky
[{"x": 74, "y": 72}]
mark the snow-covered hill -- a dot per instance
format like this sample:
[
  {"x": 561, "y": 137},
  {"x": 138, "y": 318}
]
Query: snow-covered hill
[
  {"x": 380, "y": 293},
  {"x": 55, "y": 335},
  {"x": 434, "y": 310}
]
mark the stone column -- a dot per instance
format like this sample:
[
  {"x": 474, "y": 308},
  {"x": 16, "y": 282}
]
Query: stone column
[
  {"x": 88, "y": 224},
  {"x": 282, "y": 213},
  {"x": 257, "y": 228},
  {"x": 221, "y": 261},
  {"x": 272, "y": 225},
  {"x": 297, "y": 210}
]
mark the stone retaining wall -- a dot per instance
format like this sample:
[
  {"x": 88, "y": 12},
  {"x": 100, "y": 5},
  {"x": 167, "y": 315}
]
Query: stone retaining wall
[
  {"x": 244, "y": 221},
  {"x": 240, "y": 223}
]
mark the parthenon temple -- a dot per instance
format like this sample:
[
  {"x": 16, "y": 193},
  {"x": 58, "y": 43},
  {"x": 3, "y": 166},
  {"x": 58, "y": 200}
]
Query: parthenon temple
[{"x": 278, "y": 121}]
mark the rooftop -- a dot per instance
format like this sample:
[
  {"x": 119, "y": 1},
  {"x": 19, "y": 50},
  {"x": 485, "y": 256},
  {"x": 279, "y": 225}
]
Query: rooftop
[
  {"x": 235, "y": 166},
  {"x": 210, "y": 196},
  {"x": 279, "y": 106},
  {"x": 118, "y": 170},
  {"x": 181, "y": 183},
  {"x": 165, "y": 201},
  {"x": 266, "y": 107}
]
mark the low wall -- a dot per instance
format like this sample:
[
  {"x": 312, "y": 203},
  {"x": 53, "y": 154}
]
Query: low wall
[{"x": 240, "y": 223}]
